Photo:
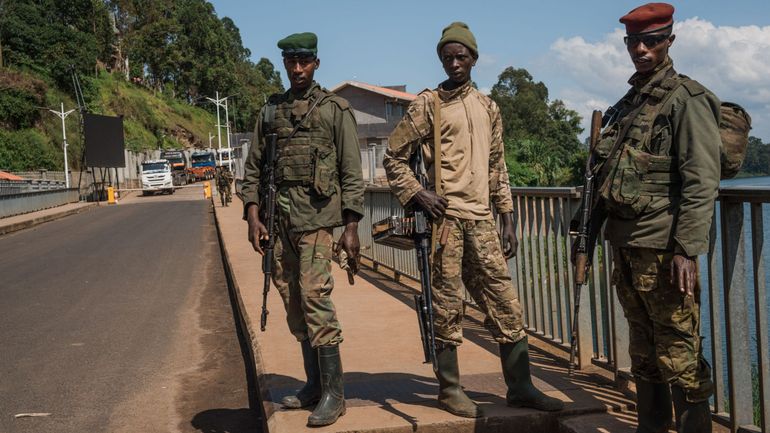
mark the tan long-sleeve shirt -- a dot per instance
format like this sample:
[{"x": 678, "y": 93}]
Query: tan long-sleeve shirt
[{"x": 473, "y": 170}]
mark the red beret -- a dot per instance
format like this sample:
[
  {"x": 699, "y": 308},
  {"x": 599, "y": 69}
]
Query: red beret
[{"x": 648, "y": 18}]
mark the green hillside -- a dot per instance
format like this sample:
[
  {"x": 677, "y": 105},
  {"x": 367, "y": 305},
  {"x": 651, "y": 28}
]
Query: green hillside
[
  {"x": 31, "y": 136},
  {"x": 153, "y": 63}
]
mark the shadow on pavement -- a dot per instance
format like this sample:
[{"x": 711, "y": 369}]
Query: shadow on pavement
[
  {"x": 380, "y": 389},
  {"x": 226, "y": 421}
]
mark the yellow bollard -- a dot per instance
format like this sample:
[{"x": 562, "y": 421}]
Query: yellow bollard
[
  {"x": 206, "y": 190},
  {"x": 111, "y": 195}
]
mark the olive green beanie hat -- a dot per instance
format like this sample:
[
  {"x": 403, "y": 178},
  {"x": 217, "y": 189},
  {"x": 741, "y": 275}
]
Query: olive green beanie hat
[{"x": 458, "y": 32}]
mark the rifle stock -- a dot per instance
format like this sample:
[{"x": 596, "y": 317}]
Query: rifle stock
[
  {"x": 584, "y": 236},
  {"x": 268, "y": 218}
]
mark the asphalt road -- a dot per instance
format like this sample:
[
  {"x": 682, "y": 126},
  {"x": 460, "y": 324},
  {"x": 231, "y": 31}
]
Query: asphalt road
[{"x": 119, "y": 320}]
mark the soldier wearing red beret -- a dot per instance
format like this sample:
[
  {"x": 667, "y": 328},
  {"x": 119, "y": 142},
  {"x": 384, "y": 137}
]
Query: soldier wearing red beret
[{"x": 658, "y": 217}]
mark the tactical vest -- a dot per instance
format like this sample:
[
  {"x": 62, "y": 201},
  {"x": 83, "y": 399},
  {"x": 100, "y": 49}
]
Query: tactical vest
[
  {"x": 309, "y": 158},
  {"x": 635, "y": 174}
]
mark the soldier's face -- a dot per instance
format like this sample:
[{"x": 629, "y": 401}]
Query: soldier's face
[
  {"x": 647, "y": 51},
  {"x": 300, "y": 71},
  {"x": 457, "y": 61}
]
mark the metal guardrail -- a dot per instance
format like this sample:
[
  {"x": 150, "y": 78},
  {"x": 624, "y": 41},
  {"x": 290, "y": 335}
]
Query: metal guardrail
[
  {"x": 21, "y": 186},
  {"x": 14, "y": 204},
  {"x": 737, "y": 341}
]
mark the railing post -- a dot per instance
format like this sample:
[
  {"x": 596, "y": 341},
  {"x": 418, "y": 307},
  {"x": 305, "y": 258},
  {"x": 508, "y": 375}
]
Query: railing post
[
  {"x": 736, "y": 306},
  {"x": 715, "y": 321},
  {"x": 760, "y": 310}
]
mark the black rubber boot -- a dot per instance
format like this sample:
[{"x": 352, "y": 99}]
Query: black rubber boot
[
  {"x": 653, "y": 407},
  {"x": 521, "y": 391},
  {"x": 451, "y": 396},
  {"x": 690, "y": 417},
  {"x": 332, "y": 403},
  {"x": 311, "y": 392}
]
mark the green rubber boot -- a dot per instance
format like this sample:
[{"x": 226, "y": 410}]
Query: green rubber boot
[
  {"x": 690, "y": 417},
  {"x": 521, "y": 391},
  {"x": 653, "y": 407},
  {"x": 311, "y": 392},
  {"x": 332, "y": 403},
  {"x": 451, "y": 396}
]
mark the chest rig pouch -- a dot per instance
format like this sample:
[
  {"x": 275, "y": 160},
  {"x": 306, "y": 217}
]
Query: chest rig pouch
[
  {"x": 306, "y": 154},
  {"x": 633, "y": 173}
]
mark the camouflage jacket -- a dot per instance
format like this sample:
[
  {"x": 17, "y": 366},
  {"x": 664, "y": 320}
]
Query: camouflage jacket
[
  {"x": 339, "y": 172},
  {"x": 472, "y": 161},
  {"x": 660, "y": 188}
]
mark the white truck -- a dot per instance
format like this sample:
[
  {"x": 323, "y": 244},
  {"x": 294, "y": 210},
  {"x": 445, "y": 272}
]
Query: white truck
[{"x": 156, "y": 176}]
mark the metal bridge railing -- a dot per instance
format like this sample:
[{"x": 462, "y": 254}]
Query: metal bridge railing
[{"x": 734, "y": 306}]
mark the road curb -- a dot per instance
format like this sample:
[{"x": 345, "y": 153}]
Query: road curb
[
  {"x": 247, "y": 328},
  {"x": 21, "y": 225}
]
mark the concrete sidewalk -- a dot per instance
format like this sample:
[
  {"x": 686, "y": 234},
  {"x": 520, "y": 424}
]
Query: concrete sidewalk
[
  {"x": 388, "y": 388},
  {"x": 31, "y": 219}
]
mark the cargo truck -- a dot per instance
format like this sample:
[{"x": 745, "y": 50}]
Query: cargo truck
[
  {"x": 203, "y": 165},
  {"x": 178, "y": 163},
  {"x": 157, "y": 177}
]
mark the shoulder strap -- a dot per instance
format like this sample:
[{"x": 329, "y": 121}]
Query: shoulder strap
[
  {"x": 437, "y": 143},
  {"x": 315, "y": 103},
  {"x": 616, "y": 146}
]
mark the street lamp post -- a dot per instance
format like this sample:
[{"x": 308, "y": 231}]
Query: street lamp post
[
  {"x": 222, "y": 102},
  {"x": 63, "y": 115},
  {"x": 229, "y": 150},
  {"x": 218, "y": 102}
]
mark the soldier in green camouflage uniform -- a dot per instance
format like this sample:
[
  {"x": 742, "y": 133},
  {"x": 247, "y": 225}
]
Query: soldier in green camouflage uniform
[
  {"x": 657, "y": 191},
  {"x": 474, "y": 177},
  {"x": 320, "y": 186},
  {"x": 224, "y": 180}
]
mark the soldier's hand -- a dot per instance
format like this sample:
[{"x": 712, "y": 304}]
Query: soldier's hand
[
  {"x": 683, "y": 274},
  {"x": 510, "y": 242},
  {"x": 431, "y": 203},
  {"x": 350, "y": 243},
  {"x": 257, "y": 230}
]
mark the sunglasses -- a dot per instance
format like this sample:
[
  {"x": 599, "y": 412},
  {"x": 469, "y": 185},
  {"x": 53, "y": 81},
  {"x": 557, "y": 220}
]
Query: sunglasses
[{"x": 649, "y": 41}]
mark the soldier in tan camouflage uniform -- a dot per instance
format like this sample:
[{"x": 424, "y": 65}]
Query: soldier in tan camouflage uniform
[
  {"x": 320, "y": 186},
  {"x": 474, "y": 173},
  {"x": 658, "y": 185}
]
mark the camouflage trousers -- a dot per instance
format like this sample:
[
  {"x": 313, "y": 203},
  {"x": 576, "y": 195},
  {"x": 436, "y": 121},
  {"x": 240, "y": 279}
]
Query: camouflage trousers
[
  {"x": 663, "y": 325},
  {"x": 472, "y": 257},
  {"x": 303, "y": 278},
  {"x": 225, "y": 194}
]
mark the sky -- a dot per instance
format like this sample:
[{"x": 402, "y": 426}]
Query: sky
[{"x": 574, "y": 47}]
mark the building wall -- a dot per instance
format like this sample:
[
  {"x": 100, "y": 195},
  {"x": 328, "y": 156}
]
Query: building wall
[{"x": 369, "y": 107}]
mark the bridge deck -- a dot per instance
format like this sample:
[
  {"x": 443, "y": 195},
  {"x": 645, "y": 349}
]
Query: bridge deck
[{"x": 388, "y": 388}]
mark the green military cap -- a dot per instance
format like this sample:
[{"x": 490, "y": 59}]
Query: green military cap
[{"x": 299, "y": 45}]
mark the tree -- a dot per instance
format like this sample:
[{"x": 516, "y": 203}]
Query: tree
[
  {"x": 541, "y": 136},
  {"x": 757, "y": 162}
]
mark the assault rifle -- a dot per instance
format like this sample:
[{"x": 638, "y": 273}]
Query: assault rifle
[
  {"x": 422, "y": 245},
  {"x": 267, "y": 216},
  {"x": 585, "y": 238}
]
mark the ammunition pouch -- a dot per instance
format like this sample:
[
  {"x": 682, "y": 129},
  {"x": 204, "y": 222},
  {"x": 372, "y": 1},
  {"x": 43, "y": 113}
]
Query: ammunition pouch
[{"x": 637, "y": 177}]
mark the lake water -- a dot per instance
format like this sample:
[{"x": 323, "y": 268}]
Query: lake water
[{"x": 749, "y": 274}]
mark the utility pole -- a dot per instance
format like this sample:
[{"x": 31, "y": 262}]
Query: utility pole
[
  {"x": 211, "y": 137},
  {"x": 218, "y": 101},
  {"x": 63, "y": 115},
  {"x": 229, "y": 150}
]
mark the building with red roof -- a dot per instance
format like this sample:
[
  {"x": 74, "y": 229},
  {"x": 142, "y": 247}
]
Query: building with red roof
[{"x": 377, "y": 110}]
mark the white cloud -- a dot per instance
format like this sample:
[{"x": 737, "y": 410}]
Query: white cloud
[{"x": 734, "y": 62}]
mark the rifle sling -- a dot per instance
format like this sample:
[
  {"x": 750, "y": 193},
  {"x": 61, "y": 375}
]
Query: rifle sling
[
  {"x": 616, "y": 146},
  {"x": 436, "y": 167}
]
